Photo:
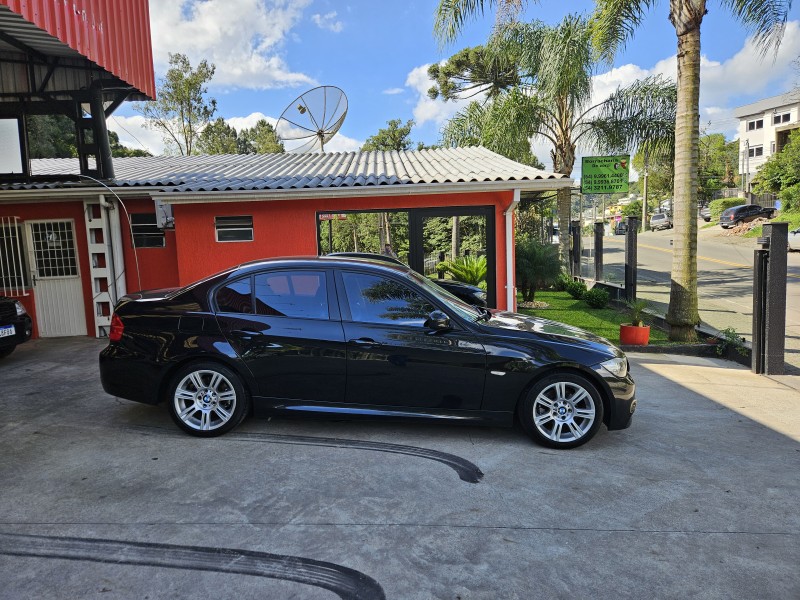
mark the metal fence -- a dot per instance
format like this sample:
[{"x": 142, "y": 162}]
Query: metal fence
[{"x": 13, "y": 275}]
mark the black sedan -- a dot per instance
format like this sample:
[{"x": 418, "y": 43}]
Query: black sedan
[
  {"x": 353, "y": 337},
  {"x": 16, "y": 326}
]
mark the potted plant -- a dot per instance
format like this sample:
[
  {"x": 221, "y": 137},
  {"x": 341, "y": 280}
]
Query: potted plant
[{"x": 635, "y": 333}]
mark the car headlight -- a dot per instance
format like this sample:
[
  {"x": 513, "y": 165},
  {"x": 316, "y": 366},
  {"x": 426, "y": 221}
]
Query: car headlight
[
  {"x": 481, "y": 295},
  {"x": 616, "y": 366},
  {"x": 20, "y": 309}
]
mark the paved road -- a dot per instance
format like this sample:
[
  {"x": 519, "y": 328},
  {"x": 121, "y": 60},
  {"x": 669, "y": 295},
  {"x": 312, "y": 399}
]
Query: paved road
[
  {"x": 725, "y": 280},
  {"x": 106, "y": 499}
]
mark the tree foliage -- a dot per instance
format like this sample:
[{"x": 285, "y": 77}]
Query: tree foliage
[
  {"x": 537, "y": 266},
  {"x": 718, "y": 165},
  {"x": 261, "y": 139},
  {"x": 51, "y": 136},
  {"x": 467, "y": 269},
  {"x": 396, "y": 136},
  {"x": 182, "y": 110},
  {"x": 221, "y": 138},
  {"x": 781, "y": 174}
]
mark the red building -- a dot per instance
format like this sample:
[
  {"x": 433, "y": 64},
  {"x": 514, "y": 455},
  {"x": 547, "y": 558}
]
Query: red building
[{"x": 70, "y": 250}]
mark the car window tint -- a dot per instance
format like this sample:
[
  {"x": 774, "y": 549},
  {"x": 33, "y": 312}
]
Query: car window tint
[
  {"x": 297, "y": 294},
  {"x": 375, "y": 299},
  {"x": 235, "y": 297}
]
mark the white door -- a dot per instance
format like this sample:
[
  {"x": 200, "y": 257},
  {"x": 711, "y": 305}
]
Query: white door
[{"x": 56, "y": 278}]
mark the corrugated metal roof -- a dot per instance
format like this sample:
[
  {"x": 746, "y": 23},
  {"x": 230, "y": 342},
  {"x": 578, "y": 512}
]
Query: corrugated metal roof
[
  {"x": 114, "y": 34},
  {"x": 240, "y": 172}
]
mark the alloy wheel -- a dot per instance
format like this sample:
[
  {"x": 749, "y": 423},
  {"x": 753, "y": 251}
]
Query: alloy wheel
[
  {"x": 564, "y": 411},
  {"x": 205, "y": 400}
]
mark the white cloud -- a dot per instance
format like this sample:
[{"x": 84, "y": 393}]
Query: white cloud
[
  {"x": 328, "y": 21},
  {"x": 248, "y": 122},
  {"x": 426, "y": 109},
  {"x": 393, "y": 91},
  {"x": 241, "y": 37},
  {"x": 134, "y": 134},
  {"x": 342, "y": 143}
]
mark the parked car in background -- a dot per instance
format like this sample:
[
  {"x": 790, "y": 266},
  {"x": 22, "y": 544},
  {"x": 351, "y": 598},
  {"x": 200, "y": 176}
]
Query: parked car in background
[
  {"x": 620, "y": 228},
  {"x": 350, "y": 337},
  {"x": 660, "y": 221},
  {"x": 705, "y": 213},
  {"x": 471, "y": 294},
  {"x": 16, "y": 326},
  {"x": 744, "y": 213},
  {"x": 794, "y": 240}
]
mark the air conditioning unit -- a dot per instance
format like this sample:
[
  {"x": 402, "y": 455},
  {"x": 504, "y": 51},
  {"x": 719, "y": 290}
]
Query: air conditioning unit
[{"x": 164, "y": 218}]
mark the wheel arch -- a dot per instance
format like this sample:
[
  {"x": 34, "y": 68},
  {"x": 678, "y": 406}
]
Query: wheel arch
[{"x": 169, "y": 373}]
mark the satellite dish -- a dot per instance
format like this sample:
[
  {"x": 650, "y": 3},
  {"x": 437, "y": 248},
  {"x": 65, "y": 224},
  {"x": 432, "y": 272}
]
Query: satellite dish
[{"x": 312, "y": 119}]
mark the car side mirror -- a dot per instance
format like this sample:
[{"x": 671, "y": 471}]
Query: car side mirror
[{"x": 438, "y": 321}]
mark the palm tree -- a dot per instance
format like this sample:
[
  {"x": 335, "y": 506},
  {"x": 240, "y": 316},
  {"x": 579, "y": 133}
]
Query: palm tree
[
  {"x": 552, "y": 101},
  {"x": 613, "y": 23}
]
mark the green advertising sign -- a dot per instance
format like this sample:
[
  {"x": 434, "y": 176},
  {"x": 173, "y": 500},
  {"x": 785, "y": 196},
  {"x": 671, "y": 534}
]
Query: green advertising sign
[{"x": 605, "y": 174}]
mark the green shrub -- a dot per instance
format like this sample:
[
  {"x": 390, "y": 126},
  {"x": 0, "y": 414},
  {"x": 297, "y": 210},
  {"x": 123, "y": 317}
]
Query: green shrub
[
  {"x": 561, "y": 282},
  {"x": 466, "y": 269},
  {"x": 596, "y": 298},
  {"x": 576, "y": 289},
  {"x": 717, "y": 206},
  {"x": 537, "y": 266}
]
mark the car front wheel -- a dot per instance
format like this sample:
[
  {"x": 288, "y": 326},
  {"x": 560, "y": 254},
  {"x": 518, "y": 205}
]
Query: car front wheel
[
  {"x": 562, "y": 410},
  {"x": 207, "y": 399}
]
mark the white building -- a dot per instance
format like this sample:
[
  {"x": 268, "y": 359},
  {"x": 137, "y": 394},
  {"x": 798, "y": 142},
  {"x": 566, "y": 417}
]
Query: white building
[{"x": 764, "y": 128}]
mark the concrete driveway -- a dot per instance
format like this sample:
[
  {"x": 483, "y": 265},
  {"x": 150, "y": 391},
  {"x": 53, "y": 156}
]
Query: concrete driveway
[{"x": 103, "y": 498}]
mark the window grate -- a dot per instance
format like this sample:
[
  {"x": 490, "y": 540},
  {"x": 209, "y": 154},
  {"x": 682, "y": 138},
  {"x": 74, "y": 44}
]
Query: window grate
[
  {"x": 234, "y": 229},
  {"x": 13, "y": 270},
  {"x": 54, "y": 249},
  {"x": 146, "y": 233}
]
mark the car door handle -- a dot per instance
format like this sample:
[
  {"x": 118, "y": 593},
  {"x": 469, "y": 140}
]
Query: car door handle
[{"x": 365, "y": 343}]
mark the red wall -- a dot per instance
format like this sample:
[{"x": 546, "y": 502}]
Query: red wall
[
  {"x": 58, "y": 210},
  {"x": 289, "y": 228},
  {"x": 148, "y": 268}
]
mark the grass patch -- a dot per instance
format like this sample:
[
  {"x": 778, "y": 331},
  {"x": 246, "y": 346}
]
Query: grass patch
[{"x": 604, "y": 322}]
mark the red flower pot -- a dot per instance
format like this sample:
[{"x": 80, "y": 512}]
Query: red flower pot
[{"x": 632, "y": 335}]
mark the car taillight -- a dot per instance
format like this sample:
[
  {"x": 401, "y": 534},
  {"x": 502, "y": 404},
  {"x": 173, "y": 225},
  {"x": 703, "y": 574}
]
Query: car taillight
[{"x": 117, "y": 328}]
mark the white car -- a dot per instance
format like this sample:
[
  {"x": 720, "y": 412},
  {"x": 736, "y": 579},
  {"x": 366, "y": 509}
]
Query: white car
[{"x": 794, "y": 240}]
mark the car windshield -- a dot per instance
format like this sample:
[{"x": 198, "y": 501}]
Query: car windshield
[{"x": 464, "y": 310}]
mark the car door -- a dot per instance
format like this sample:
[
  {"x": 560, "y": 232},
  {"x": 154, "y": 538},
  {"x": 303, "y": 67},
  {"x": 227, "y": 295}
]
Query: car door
[
  {"x": 393, "y": 359},
  {"x": 285, "y": 326}
]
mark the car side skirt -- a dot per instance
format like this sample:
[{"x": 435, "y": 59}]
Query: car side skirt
[{"x": 263, "y": 407}]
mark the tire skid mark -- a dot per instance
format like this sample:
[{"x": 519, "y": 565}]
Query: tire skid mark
[
  {"x": 347, "y": 583},
  {"x": 466, "y": 470}
]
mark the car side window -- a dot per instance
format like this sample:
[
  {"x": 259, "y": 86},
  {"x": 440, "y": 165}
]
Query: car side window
[
  {"x": 297, "y": 294},
  {"x": 377, "y": 299},
  {"x": 235, "y": 297}
]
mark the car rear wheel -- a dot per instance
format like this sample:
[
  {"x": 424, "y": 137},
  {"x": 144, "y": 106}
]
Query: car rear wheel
[
  {"x": 207, "y": 399},
  {"x": 563, "y": 410}
]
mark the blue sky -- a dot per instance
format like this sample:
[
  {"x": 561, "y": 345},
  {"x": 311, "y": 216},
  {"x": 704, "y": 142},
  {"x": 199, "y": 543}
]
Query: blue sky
[{"x": 268, "y": 52}]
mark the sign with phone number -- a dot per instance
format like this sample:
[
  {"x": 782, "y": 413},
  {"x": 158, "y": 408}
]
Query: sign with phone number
[{"x": 605, "y": 174}]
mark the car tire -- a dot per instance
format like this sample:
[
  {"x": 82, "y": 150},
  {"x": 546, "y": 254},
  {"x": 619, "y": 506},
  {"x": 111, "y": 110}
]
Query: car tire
[
  {"x": 562, "y": 410},
  {"x": 207, "y": 399},
  {"x": 6, "y": 351}
]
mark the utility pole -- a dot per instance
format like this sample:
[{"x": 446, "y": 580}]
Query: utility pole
[{"x": 645, "y": 223}]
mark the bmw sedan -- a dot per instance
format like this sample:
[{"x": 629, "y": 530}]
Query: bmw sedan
[{"x": 350, "y": 337}]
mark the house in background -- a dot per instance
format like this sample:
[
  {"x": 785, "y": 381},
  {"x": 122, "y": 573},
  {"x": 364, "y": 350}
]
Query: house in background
[
  {"x": 764, "y": 129},
  {"x": 71, "y": 248}
]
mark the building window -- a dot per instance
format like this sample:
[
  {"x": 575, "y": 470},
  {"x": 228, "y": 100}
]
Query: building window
[
  {"x": 782, "y": 118},
  {"x": 234, "y": 229},
  {"x": 146, "y": 233},
  {"x": 755, "y": 151},
  {"x": 772, "y": 147},
  {"x": 13, "y": 267},
  {"x": 757, "y": 124}
]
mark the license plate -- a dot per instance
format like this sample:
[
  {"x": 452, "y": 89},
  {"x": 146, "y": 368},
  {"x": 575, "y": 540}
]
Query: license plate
[{"x": 7, "y": 331}]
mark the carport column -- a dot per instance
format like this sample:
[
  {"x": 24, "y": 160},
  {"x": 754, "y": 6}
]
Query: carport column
[
  {"x": 575, "y": 231},
  {"x": 775, "y": 315},
  {"x": 630, "y": 258},
  {"x": 511, "y": 288},
  {"x": 598, "y": 250}
]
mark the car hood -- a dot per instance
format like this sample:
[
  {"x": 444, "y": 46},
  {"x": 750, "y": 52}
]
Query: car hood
[{"x": 528, "y": 327}]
